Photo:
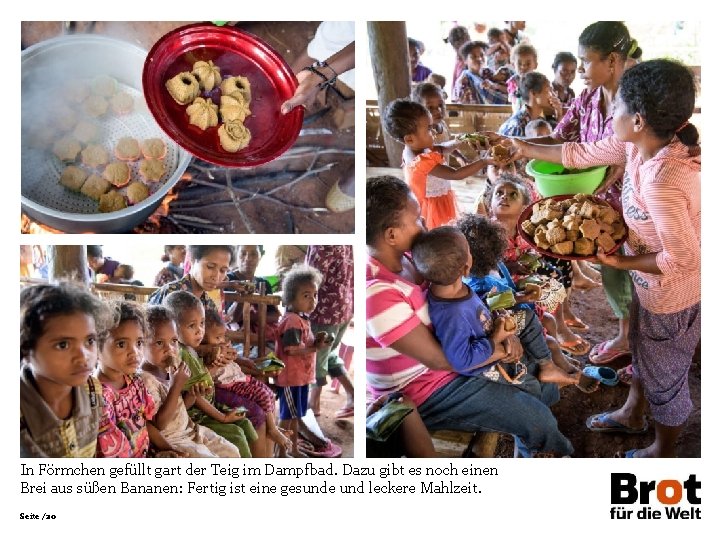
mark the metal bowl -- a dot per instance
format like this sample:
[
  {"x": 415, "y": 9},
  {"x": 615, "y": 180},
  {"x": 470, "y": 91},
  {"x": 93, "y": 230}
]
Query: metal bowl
[{"x": 81, "y": 57}]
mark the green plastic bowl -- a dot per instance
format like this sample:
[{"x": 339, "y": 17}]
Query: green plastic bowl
[{"x": 550, "y": 180}]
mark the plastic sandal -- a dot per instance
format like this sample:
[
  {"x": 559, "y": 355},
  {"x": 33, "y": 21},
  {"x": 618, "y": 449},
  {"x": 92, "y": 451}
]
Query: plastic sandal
[{"x": 605, "y": 375}]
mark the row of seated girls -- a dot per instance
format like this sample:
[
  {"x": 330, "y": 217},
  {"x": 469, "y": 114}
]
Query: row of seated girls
[{"x": 124, "y": 380}]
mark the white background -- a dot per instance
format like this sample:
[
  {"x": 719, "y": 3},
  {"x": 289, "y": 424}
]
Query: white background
[{"x": 566, "y": 498}]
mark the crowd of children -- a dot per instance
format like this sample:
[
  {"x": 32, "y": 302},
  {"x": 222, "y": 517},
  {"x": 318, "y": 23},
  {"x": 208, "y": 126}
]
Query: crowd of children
[
  {"x": 463, "y": 263},
  {"x": 118, "y": 379}
]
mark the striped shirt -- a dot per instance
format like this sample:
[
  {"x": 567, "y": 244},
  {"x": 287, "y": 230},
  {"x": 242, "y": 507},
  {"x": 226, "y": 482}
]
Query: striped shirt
[
  {"x": 394, "y": 308},
  {"x": 661, "y": 206}
]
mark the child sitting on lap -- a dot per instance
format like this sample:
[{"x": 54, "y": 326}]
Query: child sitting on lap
[
  {"x": 189, "y": 315},
  {"x": 488, "y": 273},
  {"x": 61, "y": 404},
  {"x": 161, "y": 359},
  {"x": 233, "y": 387},
  {"x": 472, "y": 341}
]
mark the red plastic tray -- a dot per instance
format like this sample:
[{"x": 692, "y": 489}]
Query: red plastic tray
[
  {"x": 236, "y": 53},
  {"x": 525, "y": 215}
]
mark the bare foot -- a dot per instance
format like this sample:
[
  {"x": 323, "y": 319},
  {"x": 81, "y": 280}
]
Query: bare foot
[
  {"x": 550, "y": 373},
  {"x": 281, "y": 437},
  {"x": 567, "y": 364},
  {"x": 581, "y": 282}
]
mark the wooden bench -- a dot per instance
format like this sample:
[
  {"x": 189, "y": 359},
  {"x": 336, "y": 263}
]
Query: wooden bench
[
  {"x": 460, "y": 119},
  {"x": 480, "y": 444}
]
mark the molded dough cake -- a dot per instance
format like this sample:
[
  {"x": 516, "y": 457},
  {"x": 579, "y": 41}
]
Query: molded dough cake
[
  {"x": 127, "y": 149},
  {"x": 203, "y": 113},
  {"x": 73, "y": 177},
  {"x": 183, "y": 87},
  {"x": 208, "y": 74},
  {"x": 152, "y": 169},
  {"x": 234, "y": 136},
  {"x": 94, "y": 156},
  {"x": 95, "y": 187},
  {"x": 153, "y": 148},
  {"x": 117, "y": 173}
]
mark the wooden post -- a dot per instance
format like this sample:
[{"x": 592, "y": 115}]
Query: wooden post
[
  {"x": 391, "y": 69},
  {"x": 68, "y": 262}
]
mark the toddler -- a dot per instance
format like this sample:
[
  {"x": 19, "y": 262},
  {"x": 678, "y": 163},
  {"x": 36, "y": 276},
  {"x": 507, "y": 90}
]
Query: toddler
[
  {"x": 498, "y": 50},
  {"x": 477, "y": 84},
  {"x": 538, "y": 128},
  {"x": 524, "y": 59},
  {"x": 423, "y": 161},
  {"x": 125, "y": 431},
  {"x": 564, "y": 67},
  {"x": 297, "y": 346},
  {"x": 60, "y": 403},
  {"x": 189, "y": 316},
  {"x": 164, "y": 380},
  {"x": 439, "y": 81},
  {"x": 233, "y": 387},
  {"x": 472, "y": 340}
]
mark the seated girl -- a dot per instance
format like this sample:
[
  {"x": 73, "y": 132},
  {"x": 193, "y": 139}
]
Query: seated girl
[
  {"x": 537, "y": 98},
  {"x": 61, "y": 406},
  {"x": 166, "y": 389}
]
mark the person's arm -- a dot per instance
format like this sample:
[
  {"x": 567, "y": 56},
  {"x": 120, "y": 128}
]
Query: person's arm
[
  {"x": 451, "y": 173},
  {"x": 156, "y": 438},
  {"x": 208, "y": 408},
  {"x": 310, "y": 83},
  {"x": 421, "y": 345},
  {"x": 667, "y": 206},
  {"x": 166, "y": 411}
]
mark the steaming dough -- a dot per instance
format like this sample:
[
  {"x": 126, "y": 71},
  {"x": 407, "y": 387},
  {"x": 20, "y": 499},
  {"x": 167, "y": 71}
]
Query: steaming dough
[
  {"x": 154, "y": 148},
  {"x": 73, "y": 177},
  {"x": 122, "y": 103},
  {"x": 95, "y": 106},
  {"x": 117, "y": 173},
  {"x": 95, "y": 187},
  {"x": 85, "y": 132},
  {"x": 112, "y": 201},
  {"x": 152, "y": 169},
  {"x": 203, "y": 113},
  {"x": 95, "y": 156},
  {"x": 76, "y": 91},
  {"x": 183, "y": 87},
  {"x": 66, "y": 149},
  {"x": 104, "y": 86},
  {"x": 136, "y": 192},
  {"x": 127, "y": 149}
]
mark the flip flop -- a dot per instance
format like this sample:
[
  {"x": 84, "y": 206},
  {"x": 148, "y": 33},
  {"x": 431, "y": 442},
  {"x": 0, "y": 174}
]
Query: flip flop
[
  {"x": 612, "y": 426},
  {"x": 628, "y": 454},
  {"x": 345, "y": 412},
  {"x": 605, "y": 375},
  {"x": 601, "y": 349},
  {"x": 577, "y": 347},
  {"x": 577, "y": 324},
  {"x": 329, "y": 450}
]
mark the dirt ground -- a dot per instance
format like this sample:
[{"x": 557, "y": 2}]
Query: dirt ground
[
  {"x": 340, "y": 431},
  {"x": 575, "y": 406}
]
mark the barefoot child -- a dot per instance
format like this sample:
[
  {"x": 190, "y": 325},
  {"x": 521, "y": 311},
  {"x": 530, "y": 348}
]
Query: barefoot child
[
  {"x": 297, "y": 346},
  {"x": 232, "y": 383},
  {"x": 423, "y": 161},
  {"x": 473, "y": 340},
  {"x": 128, "y": 404},
  {"x": 60, "y": 403},
  {"x": 161, "y": 359},
  {"x": 189, "y": 315}
]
